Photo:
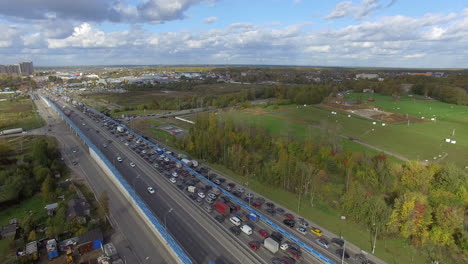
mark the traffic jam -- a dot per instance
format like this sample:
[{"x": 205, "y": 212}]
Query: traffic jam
[{"x": 224, "y": 210}]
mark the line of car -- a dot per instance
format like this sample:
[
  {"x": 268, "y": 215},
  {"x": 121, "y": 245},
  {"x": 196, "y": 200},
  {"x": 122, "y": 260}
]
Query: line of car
[{"x": 206, "y": 196}]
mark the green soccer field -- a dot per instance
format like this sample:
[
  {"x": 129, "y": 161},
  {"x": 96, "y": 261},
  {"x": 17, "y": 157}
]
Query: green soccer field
[{"x": 416, "y": 141}]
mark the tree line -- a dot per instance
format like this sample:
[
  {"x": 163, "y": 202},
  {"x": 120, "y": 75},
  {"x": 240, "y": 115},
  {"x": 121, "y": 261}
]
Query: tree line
[{"x": 424, "y": 204}]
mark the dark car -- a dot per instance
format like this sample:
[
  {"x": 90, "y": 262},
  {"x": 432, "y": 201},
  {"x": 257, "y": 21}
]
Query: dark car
[
  {"x": 340, "y": 242},
  {"x": 260, "y": 200},
  {"x": 222, "y": 180},
  {"x": 279, "y": 210},
  {"x": 278, "y": 237},
  {"x": 294, "y": 246},
  {"x": 193, "y": 196},
  {"x": 217, "y": 181},
  {"x": 276, "y": 261},
  {"x": 270, "y": 205},
  {"x": 287, "y": 260},
  {"x": 232, "y": 185},
  {"x": 220, "y": 218},
  {"x": 254, "y": 245},
  {"x": 235, "y": 230},
  {"x": 362, "y": 259},
  {"x": 225, "y": 199},
  {"x": 271, "y": 211},
  {"x": 295, "y": 253},
  {"x": 181, "y": 186},
  {"x": 340, "y": 252},
  {"x": 289, "y": 222},
  {"x": 237, "y": 194}
]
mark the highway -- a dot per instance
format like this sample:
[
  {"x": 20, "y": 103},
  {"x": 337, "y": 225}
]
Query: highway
[
  {"x": 133, "y": 239},
  {"x": 144, "y": 175},
  {"x": 198, "y": 234}
]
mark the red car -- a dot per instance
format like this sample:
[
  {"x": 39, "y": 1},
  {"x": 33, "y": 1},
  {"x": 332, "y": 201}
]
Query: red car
[
  {"x": 256, "y": 205},
  {"x": 264, "y": 233},
  {"x": 289, "y": 216},
  {"x": 254, "y": 245},
  {"x": 295, "y": 253}
]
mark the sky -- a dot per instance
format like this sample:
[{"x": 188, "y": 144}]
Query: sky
[{"x": 355, "y": 33}]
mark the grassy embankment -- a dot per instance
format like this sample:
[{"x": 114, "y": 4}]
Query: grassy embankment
[{"x": 19, "y": 112}]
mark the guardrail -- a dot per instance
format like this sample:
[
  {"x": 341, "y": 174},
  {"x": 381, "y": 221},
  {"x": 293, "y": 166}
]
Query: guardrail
[
  {"x": 314, "y": 253},
  {"x": 160, "y": 228}
]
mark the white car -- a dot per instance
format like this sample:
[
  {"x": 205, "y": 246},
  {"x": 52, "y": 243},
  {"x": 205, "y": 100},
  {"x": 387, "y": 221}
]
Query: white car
[
  {"x": 284, "y": 246},
  {"x": 175, "y": 175},
  {"x": 235, "y": 221},
  {"x": 126, "y": 144},
  {"x": 151, "y": 190},
  {"x": 166, "y": 159},
  {"x": 119, "y": 159},
  {"x": 201, "y": 195},
  {"x": 173, "y": 180},
  {"x": 143, "y": 151},
  {"x": 323, "y": 242},
  {"x": 302, "y": 230},
  {"x": 132, "y": 164}
]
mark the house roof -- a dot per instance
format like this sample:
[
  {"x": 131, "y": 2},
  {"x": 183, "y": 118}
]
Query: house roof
[
  {"x": 51, "y": 206},
  {"x": 31, "y": 247},
  {"x": 77, "y": 207},
  {"x": 90, "y": 236},
  {"x": 8, "y": 230}
]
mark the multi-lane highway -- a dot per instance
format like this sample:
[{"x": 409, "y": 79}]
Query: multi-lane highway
[{"x": 196, "y": 230}]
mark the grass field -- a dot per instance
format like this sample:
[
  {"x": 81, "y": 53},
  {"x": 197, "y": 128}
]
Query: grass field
[
  {"x": 418, "y": 141},
  {"x": 34, "y": 205},
  {"x": 19, "y": 113}
]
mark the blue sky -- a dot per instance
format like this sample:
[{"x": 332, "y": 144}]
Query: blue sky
[{"x": 383, "y": 33}]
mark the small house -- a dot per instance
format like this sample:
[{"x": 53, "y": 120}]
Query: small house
[
  {"x": 78, "y": 209},
  {"x": 51, "y": 208},
  {"x": 31, "y": 250},
  {"x": 368, "y": 90},
  {"x": 8, "y": 231}
]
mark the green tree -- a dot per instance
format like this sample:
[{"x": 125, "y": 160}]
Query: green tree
[{"x": 48, "y": 188}]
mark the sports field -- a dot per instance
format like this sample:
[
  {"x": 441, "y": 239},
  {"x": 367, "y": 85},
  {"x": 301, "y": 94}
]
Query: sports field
[{"x": 416, "y": 141}]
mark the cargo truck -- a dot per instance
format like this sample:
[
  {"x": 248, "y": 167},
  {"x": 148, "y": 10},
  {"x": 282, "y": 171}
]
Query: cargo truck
[
  {"x": 191, "y": 189},
  {"x": 271, "y": 245},
  {"x": 11, "y": 131},
  {"x": 223, "y": 208}
]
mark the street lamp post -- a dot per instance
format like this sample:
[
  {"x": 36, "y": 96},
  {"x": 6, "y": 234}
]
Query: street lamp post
[
  {"x": 133, "y": 181},
  {"x": 344, "y": 250}
]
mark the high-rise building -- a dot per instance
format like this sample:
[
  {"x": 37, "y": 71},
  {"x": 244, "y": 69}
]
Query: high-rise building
[
  {"x": 21, "y": 68},
  {"x": 26, "y": 67}
]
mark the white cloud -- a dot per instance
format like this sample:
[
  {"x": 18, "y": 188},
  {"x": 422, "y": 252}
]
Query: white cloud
[
  {"x": 210, "y": 20},
  {"x": 358, "y": 11},
  {"x": 396, "y": 41}
]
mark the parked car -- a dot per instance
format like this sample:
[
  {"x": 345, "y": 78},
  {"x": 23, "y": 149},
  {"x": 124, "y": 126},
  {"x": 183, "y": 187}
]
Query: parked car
[
  {"x": 287, "y": 260},
  {"x": 342, "y": 253},
  {"x": 289, "y": 216},
  {"x": 193, "y": 196},
  {"x": 284, "y": 246},
  {"x": 254, "y": 245},
  {"x": 235, "y": 230},
  {"x": 271, "y": 211},
  {"x": 289, "y": 222},
  {"x": 151, "y": 190},
  {"x": 340, "y": 242},
  {"x": 303, "y": 223},
  {"x": 235, "y": 221},
  {"x": 173, "y": 180},
  {"x": 323, "y": 242},
  {"x": 264, "y": 233},
  {"x": 279, "y": 210},
  {"x": 201, "y": 195},
  {"x": 302, "y": 230},
  {"x": 132, "y": 164},
  {"x": 220, "y": 218},
  {"x": 278, "y": 237},
  {"x": 119, "y": 159},
  {"x": 295, "y": 253},
  {"x": 249, "y": 195},
  {"x": 316, "y": 231}
]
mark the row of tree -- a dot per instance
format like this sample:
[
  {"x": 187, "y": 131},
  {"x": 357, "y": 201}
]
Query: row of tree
[{"x": 425, "y": 204}]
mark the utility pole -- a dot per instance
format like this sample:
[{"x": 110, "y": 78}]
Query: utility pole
[{"x": 375, "y": 239}]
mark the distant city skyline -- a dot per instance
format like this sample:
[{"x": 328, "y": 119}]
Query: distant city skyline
[
  {"x": 363, "y": 33},
  {"x": 25, "y": 67}
]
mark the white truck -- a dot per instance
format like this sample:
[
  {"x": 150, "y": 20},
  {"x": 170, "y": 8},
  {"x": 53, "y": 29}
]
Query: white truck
[
  {"x": 271, "y": 245},
  {"x": 187, "y": 162},
  {"x": 120, "y": 129},
  {"x": 191, "y": 189}
]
